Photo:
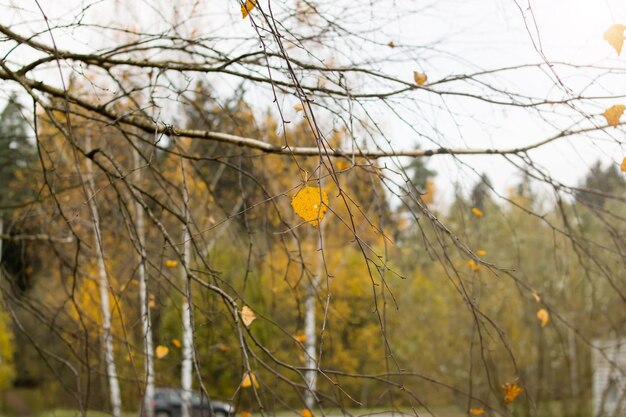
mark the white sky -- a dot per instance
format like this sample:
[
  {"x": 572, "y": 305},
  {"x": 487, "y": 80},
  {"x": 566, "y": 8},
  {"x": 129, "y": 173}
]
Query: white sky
[{"x": 462, "y": 36}]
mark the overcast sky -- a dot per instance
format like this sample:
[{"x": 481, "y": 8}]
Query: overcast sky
[{"x": 460, "y": 37}]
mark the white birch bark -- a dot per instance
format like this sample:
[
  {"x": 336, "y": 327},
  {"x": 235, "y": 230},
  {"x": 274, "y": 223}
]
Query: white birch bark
[
  {"x": 107, "y": 337},
  {"x": 310, "y": 343},
  {"x": 146, "y": 321},
  {"x": 187, "y": 348}
]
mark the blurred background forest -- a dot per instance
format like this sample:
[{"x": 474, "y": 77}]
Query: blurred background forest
[{"x": 50, "y": 338}]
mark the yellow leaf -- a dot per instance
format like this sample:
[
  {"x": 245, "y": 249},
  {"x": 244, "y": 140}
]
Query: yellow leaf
[
  {"x": 248, "y": 380},
  {"x": 308, "y": 205},
  {"x": 161, "y": 351},
  {"x": 222, "y": 347},
  {"x": 420, "y": 78},
  {"x": 477, "y": 411},
  {"x": 247, "y": 316},
  {"x": 246, "y": 414},
  {"x": 176, "y": 343},
  {"x": 391, "y": 44},
  {"x": 299, "y": 338},
  {"x": 615, "y": 36},
  {"x": 342, "y": 165},
  {"x": 306, "y": 413},
  {"x": 171, "y": 264},
  {"x": 511, "y": 391},
  {"x": 623, "y": 165},
  {"x": 473, "y": 265},
  {"x": 481, "y": 252},
  {"x": 477, "y": 212},
  {"x": 298, "y": 107},
  {"x": 613, "y": 114},
  {"x": 543, "y": 316},
  {"x": 245, "y": 9}
]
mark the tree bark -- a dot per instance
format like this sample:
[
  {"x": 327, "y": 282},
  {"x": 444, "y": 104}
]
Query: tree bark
[
  {"x": 146, "y": 321},
  {"x": 187, "y": 351},
  {"x": 310, "y": 333},
  {"x": 107, "y": 337}
]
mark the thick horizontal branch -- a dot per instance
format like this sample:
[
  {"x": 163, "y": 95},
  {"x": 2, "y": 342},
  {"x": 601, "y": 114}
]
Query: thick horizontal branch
[{"x": 151, "y": 127}]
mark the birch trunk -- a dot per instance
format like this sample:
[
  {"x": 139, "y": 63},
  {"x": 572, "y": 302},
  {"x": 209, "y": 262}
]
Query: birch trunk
[
  {"x": 143, "y": 301},
  {"x": 187, "y": 351},
  {"x": 107, "y": 337},
  {"x": 310, "y": 333}
]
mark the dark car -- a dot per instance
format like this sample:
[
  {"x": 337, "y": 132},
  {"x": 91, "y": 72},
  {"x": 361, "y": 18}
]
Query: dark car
[{"x": 167, "y": 402}]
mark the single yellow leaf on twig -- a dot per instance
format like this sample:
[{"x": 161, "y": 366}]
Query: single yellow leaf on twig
[
  {"x": 615, "y": 36},
  {"x": 298, "y": 107},
  {"x": 623, "y": 165},
  {"x": 299, "y": 338},
  {"x": 151, "y": 301},
  {"x": 171, "y": 264},
  {"x": 543, "y": 317},
  {"x": 477, "y": 411},
  {"x": 613, "y": 114},
  {"x": 477, "y": 212},
  {"x": 161, "y": 351},
  {"x": 420, "y": 78},
  {"x": 246, "y": 414},
  {"x": 247, "y": 316},
  {"x": 245, "y": 9},
  {"x": 481, "y": 252},
  {"x": 536, "y": 297},
  {"x": 308, "y": 204},
  {"x": 306, "y": 413},
  {"x": 511, "y": 391},
  {"x": 176, "y": 343},
  {"x": 248, "y": 380}
]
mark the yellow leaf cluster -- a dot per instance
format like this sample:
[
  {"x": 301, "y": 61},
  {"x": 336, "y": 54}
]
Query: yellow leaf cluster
[
  {"x": 420, "y": 78},
  {"x": 613, "y": 114},
  {"x": 161, "y": 351},
  {"x": 247, "y": 316},
  {"x": 511, "y": 391},
  {"x": 615, "y": 36},
  {"x": 543, "y": 317},
  {"x": 473, "y": 265},
  {"x": 248, "y": 380},
  {"x": 477, "y": 212},
  {"x": 171, "y": 264},
  {"x": 308, "y": 204},
  {"x": 247, "y": 7}
]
